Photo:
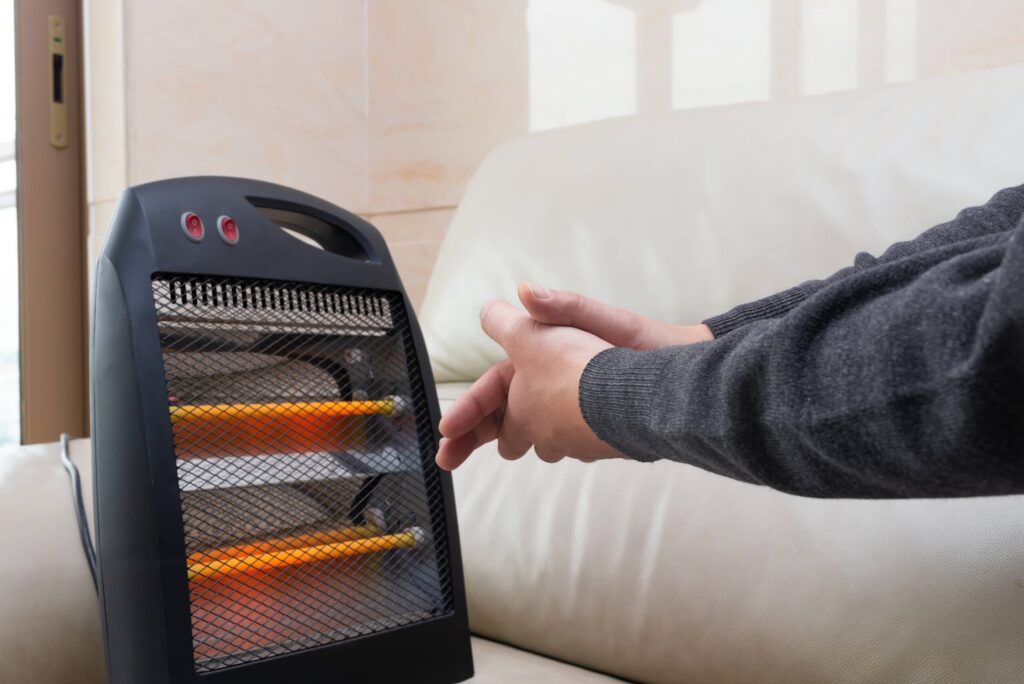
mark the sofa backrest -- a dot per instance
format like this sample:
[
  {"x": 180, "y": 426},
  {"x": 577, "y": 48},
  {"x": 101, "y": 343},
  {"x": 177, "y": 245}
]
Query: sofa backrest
[{"x": 682, "y": 215}]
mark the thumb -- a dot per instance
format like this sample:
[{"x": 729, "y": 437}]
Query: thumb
[
  {"x": 618, "y": 327},
  {"x": 502, "y": 322}
]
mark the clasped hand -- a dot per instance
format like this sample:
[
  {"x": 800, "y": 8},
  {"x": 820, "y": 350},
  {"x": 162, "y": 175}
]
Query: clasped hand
[{"x": 531, "y": 399}]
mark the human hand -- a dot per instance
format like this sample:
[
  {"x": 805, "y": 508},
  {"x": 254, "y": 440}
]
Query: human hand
[
  {"x": 530, "y": 399},
  {"x": 483, "y": 413},
  {"x": 618, "y": 327}
]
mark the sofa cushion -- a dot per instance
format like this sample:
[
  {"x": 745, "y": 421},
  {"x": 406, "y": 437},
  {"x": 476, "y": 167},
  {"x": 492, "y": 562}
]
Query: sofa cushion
[
  {"x": 684, "y": 214},
  {"x": 501, "y": 664}
]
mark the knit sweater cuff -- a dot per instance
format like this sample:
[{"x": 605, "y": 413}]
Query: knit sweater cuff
[
  {"x": 615, "y": 392},
  {"x": 769, "y": 307}
]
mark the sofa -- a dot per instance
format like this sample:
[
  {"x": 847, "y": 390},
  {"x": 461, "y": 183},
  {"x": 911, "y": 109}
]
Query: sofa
[{"x": 662, "y": 572}]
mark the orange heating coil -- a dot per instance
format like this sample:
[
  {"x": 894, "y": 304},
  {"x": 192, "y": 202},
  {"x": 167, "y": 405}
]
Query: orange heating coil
[
  {"x": 287, "y": 409},
  {"x": 277, "y": 543},
  {"x": 204, "y": 430},
  {"x": 282, "y": 557}
]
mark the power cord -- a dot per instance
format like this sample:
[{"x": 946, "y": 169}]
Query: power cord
[{"x": 76, "y": 496}]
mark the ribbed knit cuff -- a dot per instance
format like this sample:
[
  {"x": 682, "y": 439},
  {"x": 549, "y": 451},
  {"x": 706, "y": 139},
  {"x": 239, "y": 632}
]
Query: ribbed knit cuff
[
  {"x": 616, "y": 393},
  {"x": 769, "y": 307}
]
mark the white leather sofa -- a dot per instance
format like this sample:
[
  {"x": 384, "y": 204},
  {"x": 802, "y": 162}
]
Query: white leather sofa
[{"x": 662, "y": 572}]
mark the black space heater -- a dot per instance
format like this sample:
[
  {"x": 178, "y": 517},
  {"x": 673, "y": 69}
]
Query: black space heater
[{"x": 267, "y": 506}]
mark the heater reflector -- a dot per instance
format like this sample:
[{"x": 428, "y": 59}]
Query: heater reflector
[{"x": 301, "y": 434}]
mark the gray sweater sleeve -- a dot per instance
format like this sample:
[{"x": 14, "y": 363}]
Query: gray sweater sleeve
[
  {"x": 999, "y": 214},
  {"x": 900, "y": 378}
]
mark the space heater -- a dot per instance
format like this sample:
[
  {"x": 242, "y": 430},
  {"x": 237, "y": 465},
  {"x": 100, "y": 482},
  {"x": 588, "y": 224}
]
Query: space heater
[{"x": 267, "y": 506}]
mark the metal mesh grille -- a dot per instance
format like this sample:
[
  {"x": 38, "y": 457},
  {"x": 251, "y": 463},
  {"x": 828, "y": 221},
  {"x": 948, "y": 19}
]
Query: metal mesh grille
[{"x": 300, "y": 432}]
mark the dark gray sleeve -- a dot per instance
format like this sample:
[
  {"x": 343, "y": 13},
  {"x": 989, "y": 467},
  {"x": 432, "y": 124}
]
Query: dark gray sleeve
[
  {"x": 1000, "y": 213},
  {"x": 904, "y": 380}
]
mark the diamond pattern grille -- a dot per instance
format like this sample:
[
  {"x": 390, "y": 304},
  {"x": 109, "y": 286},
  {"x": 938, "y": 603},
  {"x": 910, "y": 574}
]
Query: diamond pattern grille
[{"x": 300, "y": 431}]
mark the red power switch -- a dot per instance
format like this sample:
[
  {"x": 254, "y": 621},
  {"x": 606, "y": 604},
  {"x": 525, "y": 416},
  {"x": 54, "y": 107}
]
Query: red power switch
[
  {"x": 192, "y": 225},
  {"x": 228, "y": 229}
]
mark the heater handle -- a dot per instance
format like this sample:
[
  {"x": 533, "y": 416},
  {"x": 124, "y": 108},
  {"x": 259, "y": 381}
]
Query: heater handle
[{"x": 329, "y": 232}]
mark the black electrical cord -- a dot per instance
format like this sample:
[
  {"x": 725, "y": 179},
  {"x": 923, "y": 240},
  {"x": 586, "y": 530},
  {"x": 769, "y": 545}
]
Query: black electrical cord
[{"x": 76, "y": 496}]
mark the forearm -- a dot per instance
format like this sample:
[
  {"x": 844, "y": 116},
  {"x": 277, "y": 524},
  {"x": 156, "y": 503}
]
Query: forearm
[
  {"x": 1001, "y": 213},
  {"x": 905, "y": 387}
]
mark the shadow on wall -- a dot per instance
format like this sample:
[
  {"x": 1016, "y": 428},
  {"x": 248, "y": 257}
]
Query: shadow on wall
[{"x": 594, "y": 59}]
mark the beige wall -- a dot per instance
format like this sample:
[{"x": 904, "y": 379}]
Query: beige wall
[
  {"x": 448, "y": 81},
  {"x": 386, "y": 106}
]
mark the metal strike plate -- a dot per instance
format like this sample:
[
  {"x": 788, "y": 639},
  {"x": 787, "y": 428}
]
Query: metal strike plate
[{"x": 58, "y": 82}]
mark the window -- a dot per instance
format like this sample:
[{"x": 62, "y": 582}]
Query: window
[{"x": 10, "y": 384}]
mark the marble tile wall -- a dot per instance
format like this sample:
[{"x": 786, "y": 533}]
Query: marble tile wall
[
  {"x": 387, "y": 106},
  {"x": 259, "y": 88},
  {"x": 256, "y": 88},
  {"x": 106, "y": 152},
  {"x": 439, "y": 97}
]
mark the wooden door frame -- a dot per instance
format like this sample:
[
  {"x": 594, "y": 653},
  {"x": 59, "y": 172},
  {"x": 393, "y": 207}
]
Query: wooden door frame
[{"x": 51, "y": 227}]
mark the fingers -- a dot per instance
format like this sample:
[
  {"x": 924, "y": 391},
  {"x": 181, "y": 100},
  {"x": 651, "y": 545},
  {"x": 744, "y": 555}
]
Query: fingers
[
  {"x": 618, "y": 327},
  {"x": 474, "y": 418},
  {"x": 512, "y": 440},
  {"x": 452, "y": 453},
  {"x": 483, "y": 398},
  {"x": 548, "y": 456},
  {"x": 503, "y": 322}
]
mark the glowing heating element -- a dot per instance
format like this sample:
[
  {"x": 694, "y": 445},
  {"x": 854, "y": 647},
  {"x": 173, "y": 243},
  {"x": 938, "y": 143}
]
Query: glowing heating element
[
  {"x": 276, "y": 559},
  {"x": 290, "y": 542},
  {"x": 298, "y": 409},
  {"x": 204, "y": 430}
]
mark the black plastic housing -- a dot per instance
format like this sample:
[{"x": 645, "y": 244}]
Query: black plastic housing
[{"x": 139, "y": 528}]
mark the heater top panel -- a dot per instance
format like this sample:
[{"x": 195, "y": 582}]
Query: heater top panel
[{"x": 244, "y": 228}]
